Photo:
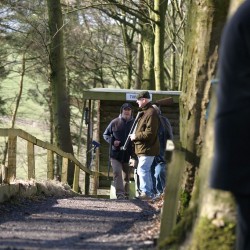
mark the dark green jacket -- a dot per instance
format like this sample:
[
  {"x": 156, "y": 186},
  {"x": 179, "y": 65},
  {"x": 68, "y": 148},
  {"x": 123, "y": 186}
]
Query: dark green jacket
[{"x": 146, "y": 134}]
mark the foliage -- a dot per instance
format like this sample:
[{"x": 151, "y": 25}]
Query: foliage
[{"x": 99, "y": 37}]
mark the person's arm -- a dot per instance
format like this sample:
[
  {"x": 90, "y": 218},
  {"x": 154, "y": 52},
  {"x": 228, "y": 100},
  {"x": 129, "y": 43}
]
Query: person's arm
[{"x": 108, "y": 133}]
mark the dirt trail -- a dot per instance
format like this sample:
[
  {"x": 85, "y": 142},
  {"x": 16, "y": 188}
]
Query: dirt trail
[{"x": 78, "y": 223}]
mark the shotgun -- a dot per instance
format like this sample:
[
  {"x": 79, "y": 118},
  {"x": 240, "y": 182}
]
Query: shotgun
[{"x": 139, "y": 114}]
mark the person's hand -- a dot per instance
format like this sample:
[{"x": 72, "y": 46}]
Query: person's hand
[
  {"x": 133, "y": 163},
  {"x": 132, "y": 137},
  {"x": 117, "y": 143}
]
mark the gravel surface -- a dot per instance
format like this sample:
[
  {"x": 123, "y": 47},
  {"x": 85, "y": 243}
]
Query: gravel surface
[{"x": 78, "y": 223}]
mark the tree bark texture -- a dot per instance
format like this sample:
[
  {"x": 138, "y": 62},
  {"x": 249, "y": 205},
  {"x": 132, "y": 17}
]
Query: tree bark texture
[
  {"x": 216, "y": 220},
  {"x": 147, "y": 41},
  {"x": 60, "y": 100},
  {"x": 139, "y": 63},
  {"x": 128, "y": 52},
  {"x": 206, "y": 19},
  {"x": 214, "y": 211},
  {"x": 160, "y": 7}
]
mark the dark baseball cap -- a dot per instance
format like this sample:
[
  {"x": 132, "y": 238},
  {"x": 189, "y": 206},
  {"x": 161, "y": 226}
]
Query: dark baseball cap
[
  {"x": 143, "y": 94},
  {"x": 126, "y": 106}
]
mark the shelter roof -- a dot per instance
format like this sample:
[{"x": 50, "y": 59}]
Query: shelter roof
[{"x": 126, "y": 94}]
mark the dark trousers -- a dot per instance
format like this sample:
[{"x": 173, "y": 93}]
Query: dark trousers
[{"x": 243, "y": 222}]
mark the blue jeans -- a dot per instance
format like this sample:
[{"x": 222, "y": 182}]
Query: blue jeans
[
  {"x": 144, "y": 172},
  {"x": 158, "y": 172}
]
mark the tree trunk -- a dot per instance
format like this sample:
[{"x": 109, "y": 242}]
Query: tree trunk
[
  {"x": 128, "y": 52},
  {"x": 147, "y": 41},
  {"x": 204, "y": 26},
  {"x": 148, "y": 55},
  {"x": 60, "y": 100},
  {"x": 215, "y": 222},
  {"x": 212, "y": 211},
  {"x": 216, "y": 217},
  {"x": 139, "y": 63},
  {"x": 160, "y": 7}
]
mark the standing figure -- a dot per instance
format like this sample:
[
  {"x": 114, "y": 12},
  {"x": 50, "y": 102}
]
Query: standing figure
[
  {"x": 231, "y": 166},
  {"x": 159, "y": 166},
  {"x": 146, "y": 143},
  {"x": 116, "y": 134}
]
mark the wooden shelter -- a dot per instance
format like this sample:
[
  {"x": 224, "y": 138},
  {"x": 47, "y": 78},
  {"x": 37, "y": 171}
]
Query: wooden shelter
[{"x": 101, "y": 105}]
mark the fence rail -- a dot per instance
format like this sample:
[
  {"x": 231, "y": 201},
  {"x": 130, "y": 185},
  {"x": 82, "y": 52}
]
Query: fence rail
[{"x": 9, "y": 171}]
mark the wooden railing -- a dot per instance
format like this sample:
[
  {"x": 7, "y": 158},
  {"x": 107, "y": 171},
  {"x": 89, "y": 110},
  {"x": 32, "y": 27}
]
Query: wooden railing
[{"x": 9, "y": 171}]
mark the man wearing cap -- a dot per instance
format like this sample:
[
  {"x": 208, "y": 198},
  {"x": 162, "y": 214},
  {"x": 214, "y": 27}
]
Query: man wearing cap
[
  {"x": 116, "y": 133},
  {"x": 146, "y": 143}
]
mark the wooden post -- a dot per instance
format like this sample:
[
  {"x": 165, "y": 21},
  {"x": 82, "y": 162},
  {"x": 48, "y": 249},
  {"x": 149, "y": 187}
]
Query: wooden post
[
  {"x": 65, "y": 163},
  {"x": 50, "y": 165},
  {"x": 171, "y": 195},
  {"x": 11, "y": 173},
  {"x": 31, "y": 160},
  {"x": 3, "y": 173},
  {"x": 76, "y": 179}
]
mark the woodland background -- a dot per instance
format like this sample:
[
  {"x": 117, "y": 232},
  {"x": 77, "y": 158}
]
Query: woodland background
[{"x": 51, "y": 50}]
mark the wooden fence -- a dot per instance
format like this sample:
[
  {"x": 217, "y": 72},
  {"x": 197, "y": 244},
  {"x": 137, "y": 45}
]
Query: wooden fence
[{"x": 9, "y": 171}]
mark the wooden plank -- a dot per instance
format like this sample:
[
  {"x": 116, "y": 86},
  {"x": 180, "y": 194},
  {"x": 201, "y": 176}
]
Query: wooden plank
[
  {"x": 50, "y": 165},
  {"x": 51, "y": 149},
  {"x": 58, "y": 151},
  {"x": 85, "y": 169},
  {"x": 171, "y": 196},
  {"x": 26, "y": 136},
  {"x": 12, "y": 144},
  {"x": 43, "y": 144},
  {"x": 31, "y": 160}
]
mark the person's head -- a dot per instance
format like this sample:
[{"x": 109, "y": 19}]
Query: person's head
[
  {"x": 143, "y": 98},
  {"x": 157, "y": 109},
  {"x": 126, "y": 111}
]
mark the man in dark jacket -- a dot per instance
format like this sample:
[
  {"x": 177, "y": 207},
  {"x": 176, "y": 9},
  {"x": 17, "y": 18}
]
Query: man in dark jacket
[
  {"x": 146, "y": 143},
  {"x": 231, "y": 166},
  {"x": 116, "y": 133},
  {"x": 159, "y": 166}
]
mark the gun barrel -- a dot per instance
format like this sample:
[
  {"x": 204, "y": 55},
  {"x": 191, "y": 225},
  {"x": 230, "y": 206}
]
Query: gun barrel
[{"x": 139, "y": 114}]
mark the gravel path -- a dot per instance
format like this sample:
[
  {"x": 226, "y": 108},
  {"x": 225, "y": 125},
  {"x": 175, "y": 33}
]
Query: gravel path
[{"x": 77, "y": 223}]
